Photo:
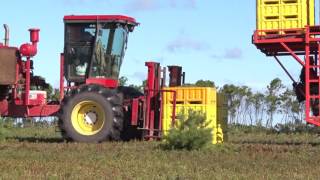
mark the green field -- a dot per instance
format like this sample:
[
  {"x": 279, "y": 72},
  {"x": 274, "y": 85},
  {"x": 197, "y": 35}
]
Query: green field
[{"x": 28, "y": 153}]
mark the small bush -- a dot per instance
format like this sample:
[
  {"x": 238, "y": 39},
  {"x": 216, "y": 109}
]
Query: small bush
[{"x": 190, "y": 133}]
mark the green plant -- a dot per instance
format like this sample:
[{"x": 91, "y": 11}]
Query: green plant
[{"x": 190, "y": 133}]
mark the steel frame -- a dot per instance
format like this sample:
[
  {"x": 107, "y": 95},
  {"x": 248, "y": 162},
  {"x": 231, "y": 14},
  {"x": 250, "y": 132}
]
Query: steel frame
[
  {"x": 152, "y": 101},
  {"x": 298, "y": 43}
]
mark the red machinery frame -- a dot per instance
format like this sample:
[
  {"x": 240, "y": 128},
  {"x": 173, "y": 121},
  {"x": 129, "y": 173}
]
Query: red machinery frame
[
  {"x": 22, "y": 106},
  {"x": 152, "y": 103},
  {"x": 299, "y": 42},
  {"x": 101, "y": 17}
]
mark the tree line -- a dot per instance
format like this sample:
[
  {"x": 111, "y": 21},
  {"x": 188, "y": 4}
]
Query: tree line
[{"x": 261, "y": 108}]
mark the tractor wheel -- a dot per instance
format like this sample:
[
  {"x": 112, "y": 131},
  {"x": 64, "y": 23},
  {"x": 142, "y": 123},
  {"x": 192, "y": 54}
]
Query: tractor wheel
[
  {"x": 91, "y": 114},
  {"x": 129, "y": 132}
]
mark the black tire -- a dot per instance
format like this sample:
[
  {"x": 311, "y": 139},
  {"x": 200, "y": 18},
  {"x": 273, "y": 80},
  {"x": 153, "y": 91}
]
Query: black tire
[
  {"x": 129, "y": 132},
  {"x": 107, "y": 101}
]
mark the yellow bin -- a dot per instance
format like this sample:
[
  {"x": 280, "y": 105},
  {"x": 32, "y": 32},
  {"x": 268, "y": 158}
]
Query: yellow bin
[
  {"x": 201, "y": 99},
  {"x": 284, "y": 14}
]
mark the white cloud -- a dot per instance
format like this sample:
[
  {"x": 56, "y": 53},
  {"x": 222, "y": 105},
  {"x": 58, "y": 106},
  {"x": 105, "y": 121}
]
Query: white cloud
[
  {"x": 85, "y": 2},
  {"x": 186, "y": 43},
  {"x": 149, "y": 5},
  {"x": 142, "y": 5},
  {"x": 233, "y": 53},
  {"x": 185, "y": 3}
]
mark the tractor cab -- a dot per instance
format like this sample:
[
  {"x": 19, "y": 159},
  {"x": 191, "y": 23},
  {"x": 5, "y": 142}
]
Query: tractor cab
[{"x": 94, "y": 47}]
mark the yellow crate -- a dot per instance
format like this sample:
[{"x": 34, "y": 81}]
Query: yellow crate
[
  {"x": 284, "y": 14},
  {"x": 191, "y": 95},
  {"x": 201, "y": 99}
]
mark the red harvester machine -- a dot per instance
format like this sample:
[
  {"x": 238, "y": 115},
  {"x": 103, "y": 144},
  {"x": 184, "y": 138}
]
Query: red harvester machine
[{"x": 92, "y": 107}]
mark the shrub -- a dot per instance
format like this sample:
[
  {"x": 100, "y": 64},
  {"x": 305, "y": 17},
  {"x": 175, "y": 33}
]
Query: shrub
[{"x": 190, "y": 132}]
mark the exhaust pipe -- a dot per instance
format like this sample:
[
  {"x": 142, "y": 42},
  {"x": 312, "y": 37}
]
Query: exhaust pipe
[{"x": 6, "y": 36}]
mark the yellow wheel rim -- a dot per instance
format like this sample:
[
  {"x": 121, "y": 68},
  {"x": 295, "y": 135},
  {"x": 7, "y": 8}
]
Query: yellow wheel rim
[{"x": 88, "y": 118}]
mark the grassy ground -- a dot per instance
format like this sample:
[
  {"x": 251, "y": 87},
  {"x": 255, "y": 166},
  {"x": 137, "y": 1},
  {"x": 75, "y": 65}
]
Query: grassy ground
[{"x": 39, "y": 153}]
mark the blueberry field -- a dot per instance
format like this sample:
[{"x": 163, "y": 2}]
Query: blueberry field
[{"x": 40, "y": 153}]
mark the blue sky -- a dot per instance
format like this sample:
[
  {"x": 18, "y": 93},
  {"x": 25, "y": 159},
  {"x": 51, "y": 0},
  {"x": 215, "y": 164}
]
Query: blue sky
[{"x": 210, "y": 39}]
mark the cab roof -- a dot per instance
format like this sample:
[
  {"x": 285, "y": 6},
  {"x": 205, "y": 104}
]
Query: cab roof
[{"x": 119, "y": 18}]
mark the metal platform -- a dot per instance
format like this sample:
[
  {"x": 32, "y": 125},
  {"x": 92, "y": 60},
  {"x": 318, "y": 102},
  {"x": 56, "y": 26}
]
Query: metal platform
[{"x": 302, "y": 44}]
